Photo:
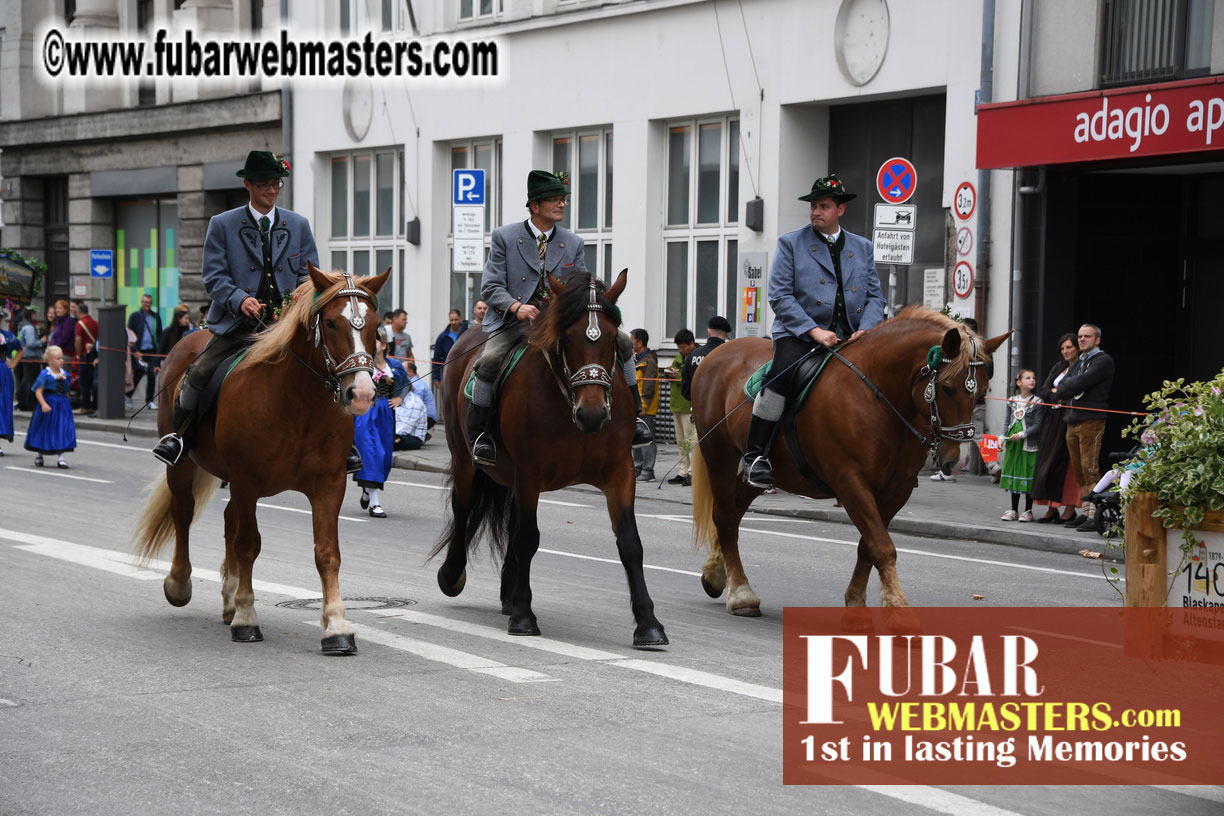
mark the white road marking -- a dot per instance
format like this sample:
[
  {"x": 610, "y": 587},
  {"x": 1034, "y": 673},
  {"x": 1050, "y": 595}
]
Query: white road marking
[
  {"x": 1067, "y": 637},
  {"x": 700, "y": 678},
  {"x": 267, "y": 506},
  {"x": 938, "y": 800},
  {"x": 907, "y": 550},
  {"x": 1208, "y": 792},
  {"x": 132, "y": 448},
  {"x": 79, "y": 554},
  {"x": 55, "y": 472},
  {"x": 617, "y": 562},
  {"x": 444, "y": 654},
  {"x": 444, "y": 487},
  {"x": 7, "y": 702},
  {"x": 543, "y": 644}
]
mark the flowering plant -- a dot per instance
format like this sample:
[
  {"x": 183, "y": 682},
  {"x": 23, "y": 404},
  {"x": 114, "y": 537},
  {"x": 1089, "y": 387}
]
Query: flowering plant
[
  {"x": 562, "y": 176},
  {"x": 1183, "y": 455},
  {"x": 283, "y": 163}
]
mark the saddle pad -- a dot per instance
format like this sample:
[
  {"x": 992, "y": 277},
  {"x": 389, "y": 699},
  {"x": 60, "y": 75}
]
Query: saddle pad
[
  {"x": 515, "y": 356},
  {"x": 208, "y": 399},
  {"x": 807, "y": 379}
]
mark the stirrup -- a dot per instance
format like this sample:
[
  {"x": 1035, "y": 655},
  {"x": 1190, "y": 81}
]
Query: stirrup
[
  {"x": 641, "y": 434},
  {"x": 352, "y": 461},
  {"x": 484, "y": 450},
  {"x": 758, "y": 472},
  {"x": 170, "y": 449}
]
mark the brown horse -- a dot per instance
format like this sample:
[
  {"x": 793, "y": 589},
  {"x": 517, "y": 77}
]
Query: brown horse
[
  {"x": 566, "y": 417},
  {"x": 283, "y": 422},
  {"x": 867, "y": 446}
]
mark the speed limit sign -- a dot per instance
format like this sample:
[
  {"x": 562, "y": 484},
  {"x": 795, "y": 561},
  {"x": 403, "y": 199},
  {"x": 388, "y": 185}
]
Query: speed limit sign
[
  {"x": 965, "y": 201},
  {"x": 962, "y": 279}
]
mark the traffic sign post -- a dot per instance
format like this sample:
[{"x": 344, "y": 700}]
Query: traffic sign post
[
  {"x": 964, "y": 241},
  {"x": 102, "y": 265},
  {"x": 962, "y": 279},
  {"x": 468, "y": 220},
  {"x": 896, "y": 180},
  {"x": 965, "y": 201}
]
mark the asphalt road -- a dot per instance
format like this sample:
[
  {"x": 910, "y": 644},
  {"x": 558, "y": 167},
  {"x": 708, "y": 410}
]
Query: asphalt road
[{"x": 114, "y": 702}]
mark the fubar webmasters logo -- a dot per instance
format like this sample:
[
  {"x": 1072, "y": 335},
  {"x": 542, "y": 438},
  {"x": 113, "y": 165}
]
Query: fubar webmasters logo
[{"x": 999, "y": 696}]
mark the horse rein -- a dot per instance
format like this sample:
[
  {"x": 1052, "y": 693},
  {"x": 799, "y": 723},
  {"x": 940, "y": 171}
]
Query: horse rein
[{"x": 951, "y": 433}]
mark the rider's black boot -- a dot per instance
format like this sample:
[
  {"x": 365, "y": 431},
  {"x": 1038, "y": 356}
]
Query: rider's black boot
[
  {"x": 484, "y": 449},
  {"x": 641, "y": 431},
  {"x": 172, "y": 448},
  {"x": 757, "y": 470},
  {"x": 352, "y": 462}
]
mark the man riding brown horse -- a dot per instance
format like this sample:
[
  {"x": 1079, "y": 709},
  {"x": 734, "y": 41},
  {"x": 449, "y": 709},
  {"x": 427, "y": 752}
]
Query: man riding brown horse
[{"x": 823, "y": 290}]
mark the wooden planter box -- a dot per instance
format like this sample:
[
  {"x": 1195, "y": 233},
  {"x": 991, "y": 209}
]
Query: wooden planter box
[{"x": 1147, "y": 545}]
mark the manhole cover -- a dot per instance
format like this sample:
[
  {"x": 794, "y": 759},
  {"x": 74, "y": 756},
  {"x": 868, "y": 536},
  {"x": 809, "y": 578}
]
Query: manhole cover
[{"x": 349, "y": 603}]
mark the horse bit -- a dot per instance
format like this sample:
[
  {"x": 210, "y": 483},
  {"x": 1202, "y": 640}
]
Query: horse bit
[
  {"x": 359, "y": 360},
  {"x": 591, "y": 373}
]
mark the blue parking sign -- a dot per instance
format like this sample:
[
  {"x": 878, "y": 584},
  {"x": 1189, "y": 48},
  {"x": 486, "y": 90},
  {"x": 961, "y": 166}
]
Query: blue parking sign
[
  {"x": 468, "y": 187},
  {"x": 101, "y": 263}
]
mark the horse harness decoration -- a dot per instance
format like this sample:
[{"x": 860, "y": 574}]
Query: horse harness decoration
[
  {"x": 360, "y": 359},
  {"x": 591, "y": 373}
]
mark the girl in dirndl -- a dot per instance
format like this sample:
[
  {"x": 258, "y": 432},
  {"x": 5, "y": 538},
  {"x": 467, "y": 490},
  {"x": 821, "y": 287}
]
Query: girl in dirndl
[
  {"x": 10, "y": 351},
  {"x": 51, "y": 428},
  {"x": 374, "y": 431},
  {"x": 1020, "y": 452}
]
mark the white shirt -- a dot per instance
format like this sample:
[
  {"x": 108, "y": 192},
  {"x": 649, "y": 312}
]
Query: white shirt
[
  {"x": 537, "y": 233},
  {"x": 255, "y": 216}
]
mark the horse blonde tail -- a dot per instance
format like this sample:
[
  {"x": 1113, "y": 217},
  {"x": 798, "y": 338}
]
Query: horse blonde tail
[
  {"x": 155, "y": 526},
  {"x": 704, "y": 534}
]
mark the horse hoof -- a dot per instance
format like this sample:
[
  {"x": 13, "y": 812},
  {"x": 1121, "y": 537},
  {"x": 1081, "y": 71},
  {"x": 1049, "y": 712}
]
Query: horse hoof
[
  {"x": 340, "y": 645},
  {"x": 245, "y": 634},
  {"x": 857, "y": 620},
  {"x": 173, "y": 600},
  {"x": 505, "y": 607},
  {"x": 227, "y": 619},
  {"x": 448, "y": 588},
  {"x": 649, "y": 636},
  {"x": 714, "y": 590},
  {"x": 524, "y": 625},
  {"x": 746, "y": 611}
]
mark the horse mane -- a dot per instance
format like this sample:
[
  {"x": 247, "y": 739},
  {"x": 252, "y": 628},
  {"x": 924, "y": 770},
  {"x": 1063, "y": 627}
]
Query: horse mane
[
  {"x": 567, "y": 310},
  {"x": 915, "y": 316},
  {"x": 272, "y": 346}
]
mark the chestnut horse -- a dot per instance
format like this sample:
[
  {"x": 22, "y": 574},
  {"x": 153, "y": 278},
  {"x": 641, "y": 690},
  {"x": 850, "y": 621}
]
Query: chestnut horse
[
  {"x": 284, "y": 421},
  {"x": 867, "y": 446},
  {"x": 566, "y": 417}
]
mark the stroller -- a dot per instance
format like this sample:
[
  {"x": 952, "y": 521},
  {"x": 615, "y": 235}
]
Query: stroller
[{"x": 1108, "y": 502}]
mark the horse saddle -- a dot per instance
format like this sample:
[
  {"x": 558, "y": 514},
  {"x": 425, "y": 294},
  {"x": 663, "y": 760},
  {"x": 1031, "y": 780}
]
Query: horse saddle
[
  {"x": 809, "y": 369},
  {"x": 509, "y": 364},
  {"x": 208, "y": 397}
]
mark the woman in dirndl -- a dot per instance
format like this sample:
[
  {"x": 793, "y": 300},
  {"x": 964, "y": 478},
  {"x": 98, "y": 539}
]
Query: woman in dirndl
[
  {"x": 51, "y": 428},
  {"x": 1020, "y": 452},
  {"x": 10, "y": 352}
]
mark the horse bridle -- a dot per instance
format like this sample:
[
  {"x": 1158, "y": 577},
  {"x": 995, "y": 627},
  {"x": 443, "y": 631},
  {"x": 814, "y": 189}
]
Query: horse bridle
[
  {"x": 952, "y": 433},
  {"x": 591, "y": 373},
  {"x": 359, "y": 360}
]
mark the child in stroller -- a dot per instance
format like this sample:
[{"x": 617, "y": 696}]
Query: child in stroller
[{"x": 1109, "y": 502}]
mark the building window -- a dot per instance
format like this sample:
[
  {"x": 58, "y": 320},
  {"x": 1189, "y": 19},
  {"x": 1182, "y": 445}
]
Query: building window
[
  {"x": 701, "y": 217},
  {"x": 482, "y": 154},
  {"x": 367, "y": 219},
  {"x": 586, "y": 155},
  {"x": 473, "y": 9},
  {"x": 1152, "y": 40}
]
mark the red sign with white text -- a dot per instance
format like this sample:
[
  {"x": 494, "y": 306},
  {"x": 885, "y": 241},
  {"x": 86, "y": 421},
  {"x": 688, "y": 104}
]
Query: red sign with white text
[
  {"x": 1001, "y": 696},
  {"x": 1137, "y": 121}
]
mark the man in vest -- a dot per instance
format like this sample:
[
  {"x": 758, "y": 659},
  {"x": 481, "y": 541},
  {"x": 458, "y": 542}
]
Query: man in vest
[{"x": 823, "y": 290}]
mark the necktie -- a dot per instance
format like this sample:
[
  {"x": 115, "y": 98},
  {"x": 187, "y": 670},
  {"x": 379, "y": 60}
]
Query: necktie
[
  {"x": 543, "y": 247},
  {"x": 264, "y": 237}
]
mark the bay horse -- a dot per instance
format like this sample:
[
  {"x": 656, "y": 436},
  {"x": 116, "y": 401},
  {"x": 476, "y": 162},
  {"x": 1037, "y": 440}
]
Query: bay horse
[
  {"x": 566, "y": 417},
  {"x": 284, "y": 421},
  {"x": 868, "y": 447}
]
